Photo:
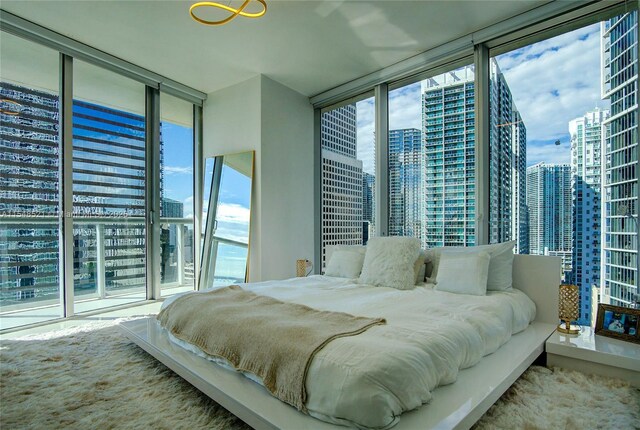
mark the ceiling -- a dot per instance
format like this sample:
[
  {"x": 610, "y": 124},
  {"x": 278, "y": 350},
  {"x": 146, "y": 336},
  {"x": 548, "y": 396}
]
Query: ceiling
[{"x": 310, "y": 46}]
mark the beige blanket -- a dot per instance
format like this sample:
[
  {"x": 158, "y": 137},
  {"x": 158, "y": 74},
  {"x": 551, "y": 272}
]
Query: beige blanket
[{"x": 269, "y": 338}]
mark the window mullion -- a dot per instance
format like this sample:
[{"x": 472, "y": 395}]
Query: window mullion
[
  {"x": 481, "y": 88},
  {"x": 382, "y": 159},
  {"x": 198, "y": 188},
  {"x": 65, "y": 165},
  {"x": 152, "y": 191}
]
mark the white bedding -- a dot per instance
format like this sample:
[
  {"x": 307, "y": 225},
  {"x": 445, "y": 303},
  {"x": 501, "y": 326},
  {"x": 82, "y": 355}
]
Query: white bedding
[{"x": 368, "y": 380}]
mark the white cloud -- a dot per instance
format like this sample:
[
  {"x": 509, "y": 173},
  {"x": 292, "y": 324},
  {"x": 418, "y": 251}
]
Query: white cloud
[
  {"x": 405, "y": 107},
  {"x": 232, "y": 213},
  {"x": 552, "y": 82},
  {"x": 555, "y": 81},
  {"x": 365, "y": 143},
  {"x": 188, "y": 207},
  {"x": 177, "y": 170}
]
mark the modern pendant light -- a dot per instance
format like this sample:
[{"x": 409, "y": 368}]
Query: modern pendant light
[{"x": 234, "y": 12}]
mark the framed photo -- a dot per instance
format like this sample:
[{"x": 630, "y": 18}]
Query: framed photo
[{"x": 621, "y": 323}]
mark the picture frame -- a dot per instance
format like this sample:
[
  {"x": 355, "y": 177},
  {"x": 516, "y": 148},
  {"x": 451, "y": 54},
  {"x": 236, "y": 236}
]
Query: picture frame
[{"x": 618, "y": 322}]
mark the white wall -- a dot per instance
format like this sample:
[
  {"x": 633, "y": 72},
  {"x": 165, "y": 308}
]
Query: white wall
[{"x": 276, "y": 122}]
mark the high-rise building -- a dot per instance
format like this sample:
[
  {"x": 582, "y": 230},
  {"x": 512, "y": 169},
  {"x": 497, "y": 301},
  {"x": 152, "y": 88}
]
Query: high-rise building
[
  {"x": 448, "y": 118},
  {"x": 619, "y": 268},
  {"x": 342, "y": 182},
  {"x": 448, "y": 122},
  {"x": 519, "y": 213},
  {"x": 108, "y": 182},
  {"x": 368, "y": 213},
  {"x": 405, "y": 182},
  {"x": 549, "y": 207},
  {"x": 586, "y": 142}
]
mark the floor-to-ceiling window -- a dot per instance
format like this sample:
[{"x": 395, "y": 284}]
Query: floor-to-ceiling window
[
  {"x": 96, "y": 254},
  {"x": 348, "y": 174},
  {"x": 563, "y": 145},
  {"x": 29, "y": 145},
  {"x": 109, "y": 256},
  {"x": 176, "y": 195}
]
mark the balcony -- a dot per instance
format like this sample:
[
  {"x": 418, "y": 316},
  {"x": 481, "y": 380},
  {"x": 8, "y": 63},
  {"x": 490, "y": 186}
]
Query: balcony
[{"x": 109, "y": 260}]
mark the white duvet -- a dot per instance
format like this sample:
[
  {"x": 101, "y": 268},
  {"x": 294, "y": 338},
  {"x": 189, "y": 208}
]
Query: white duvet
[{"x": 368, "y": 380}]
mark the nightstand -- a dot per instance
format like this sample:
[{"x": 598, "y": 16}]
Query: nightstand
[{"x": 591, "y": 353}]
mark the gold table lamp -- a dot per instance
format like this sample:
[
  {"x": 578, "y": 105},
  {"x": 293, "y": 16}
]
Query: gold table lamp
[{"x": 568, "y": 308}]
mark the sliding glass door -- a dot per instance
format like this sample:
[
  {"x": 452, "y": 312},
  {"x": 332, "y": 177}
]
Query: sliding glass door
[
  {"x": 109, "y": 256},
  {"x": 176, "y": 196},
  {"x": 29, "y": 146},
  {"x": 49, "y": 267}
]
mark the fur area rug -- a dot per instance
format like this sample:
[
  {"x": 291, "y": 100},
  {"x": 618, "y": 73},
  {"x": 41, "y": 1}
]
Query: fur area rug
[{"x": 93, "y": 377}]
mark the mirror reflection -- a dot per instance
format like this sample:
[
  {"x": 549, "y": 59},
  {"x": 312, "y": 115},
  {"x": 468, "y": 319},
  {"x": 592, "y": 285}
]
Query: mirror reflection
[{"x": 226, "y": 211}]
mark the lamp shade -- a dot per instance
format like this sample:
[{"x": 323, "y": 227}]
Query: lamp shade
[{"x": 568, "y": 308}]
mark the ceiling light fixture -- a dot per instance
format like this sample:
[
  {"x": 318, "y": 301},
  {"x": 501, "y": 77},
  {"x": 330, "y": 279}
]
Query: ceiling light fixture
[{"x": 234, "y": 12}]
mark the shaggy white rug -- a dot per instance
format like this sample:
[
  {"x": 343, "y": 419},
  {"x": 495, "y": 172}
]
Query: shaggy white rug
[{"x": 92, "y": 377}]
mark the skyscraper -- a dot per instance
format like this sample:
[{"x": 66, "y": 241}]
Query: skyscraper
[
  {"x": 586, "y": 142},
  {"x": 448, "y": 117},
  {"x": 619, "y": 269},
  {"x": 519, "y": 213},
  {"x": 342, "y": 182},
  {"x": 368, "y": 213},
  {"x": 405, "y": 182},
  {"x": 448, "y": 122},
  {"x": 549, "y": 207}
]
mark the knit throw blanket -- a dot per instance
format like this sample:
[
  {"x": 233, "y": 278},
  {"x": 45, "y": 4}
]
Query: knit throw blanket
[{"x": 272, "y": 339}]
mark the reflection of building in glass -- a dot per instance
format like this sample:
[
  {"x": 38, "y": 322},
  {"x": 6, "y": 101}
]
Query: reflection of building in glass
[
  {"x": 586, "y": 142},
  {"x": 448, "y": 118},
  {"x": 108, "y": 193},
  {"x": 405, "y": 182},
  {"x": 29, "y": 186},
  {"x": 549, "y": 207},
  {"x": 342, "y": 179},
  {"x": 620, "y": 153}
]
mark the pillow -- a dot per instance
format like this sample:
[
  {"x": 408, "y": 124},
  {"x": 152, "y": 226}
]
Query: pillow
[
  {"x": 500, "y": 267},
  {"x": 419, "y": 267},
  {"x": 390, "y": 262},
  {"x": 463, "y": 272},
  {"x": 330, "y": 249},
  {"x": 345, "y": 264}
]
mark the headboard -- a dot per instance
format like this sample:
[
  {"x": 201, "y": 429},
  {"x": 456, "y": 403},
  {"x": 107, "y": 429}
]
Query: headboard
[{"x": 539, "y": 276}]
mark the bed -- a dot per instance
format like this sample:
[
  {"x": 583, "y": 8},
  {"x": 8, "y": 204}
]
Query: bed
[{"x": 456, "y": 405}]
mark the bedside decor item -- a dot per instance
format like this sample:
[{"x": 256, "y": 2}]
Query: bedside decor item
[
  {"x": 568, "y": 308},
  {"x": 234, "y": 12},
  {"x": 618, "y": 322},
  {"x": 303, "y": 268}
]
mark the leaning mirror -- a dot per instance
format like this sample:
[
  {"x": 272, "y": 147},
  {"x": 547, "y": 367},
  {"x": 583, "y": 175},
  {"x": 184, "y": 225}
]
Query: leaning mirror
[{"x": 227, "y": 209}]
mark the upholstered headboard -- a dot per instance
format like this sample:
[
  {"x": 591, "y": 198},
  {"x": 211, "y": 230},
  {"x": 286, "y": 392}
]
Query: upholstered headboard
[{"x": 538, "y": 277}]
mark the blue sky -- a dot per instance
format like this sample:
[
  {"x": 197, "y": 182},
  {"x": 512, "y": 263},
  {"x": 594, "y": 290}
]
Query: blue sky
[{"x": 552, "y": 82}]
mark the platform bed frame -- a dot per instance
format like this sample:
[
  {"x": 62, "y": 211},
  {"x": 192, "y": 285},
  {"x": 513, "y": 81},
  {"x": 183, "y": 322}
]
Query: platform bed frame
[{"x": 455, "y": 406}]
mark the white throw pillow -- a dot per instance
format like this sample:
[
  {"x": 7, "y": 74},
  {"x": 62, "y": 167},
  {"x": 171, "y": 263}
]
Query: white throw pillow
[
  {"x": 500, "y": 267},
  {"x": 345, "y": 264},
  {"x": 330, "y": 249},
  {"x": 463, "y": 273},
  {"x": 390, "y": 262}
]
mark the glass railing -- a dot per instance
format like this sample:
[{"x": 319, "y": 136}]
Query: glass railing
[{"x": 109, "y": 261}]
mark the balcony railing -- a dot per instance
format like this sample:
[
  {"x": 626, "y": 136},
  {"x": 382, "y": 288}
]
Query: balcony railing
[{"x": 109, "y": 258}]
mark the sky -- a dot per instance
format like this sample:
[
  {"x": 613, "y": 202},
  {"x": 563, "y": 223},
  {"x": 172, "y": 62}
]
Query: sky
[
  {"x": 552, "y": 82},
  {"x": 233, "y": 202}
]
